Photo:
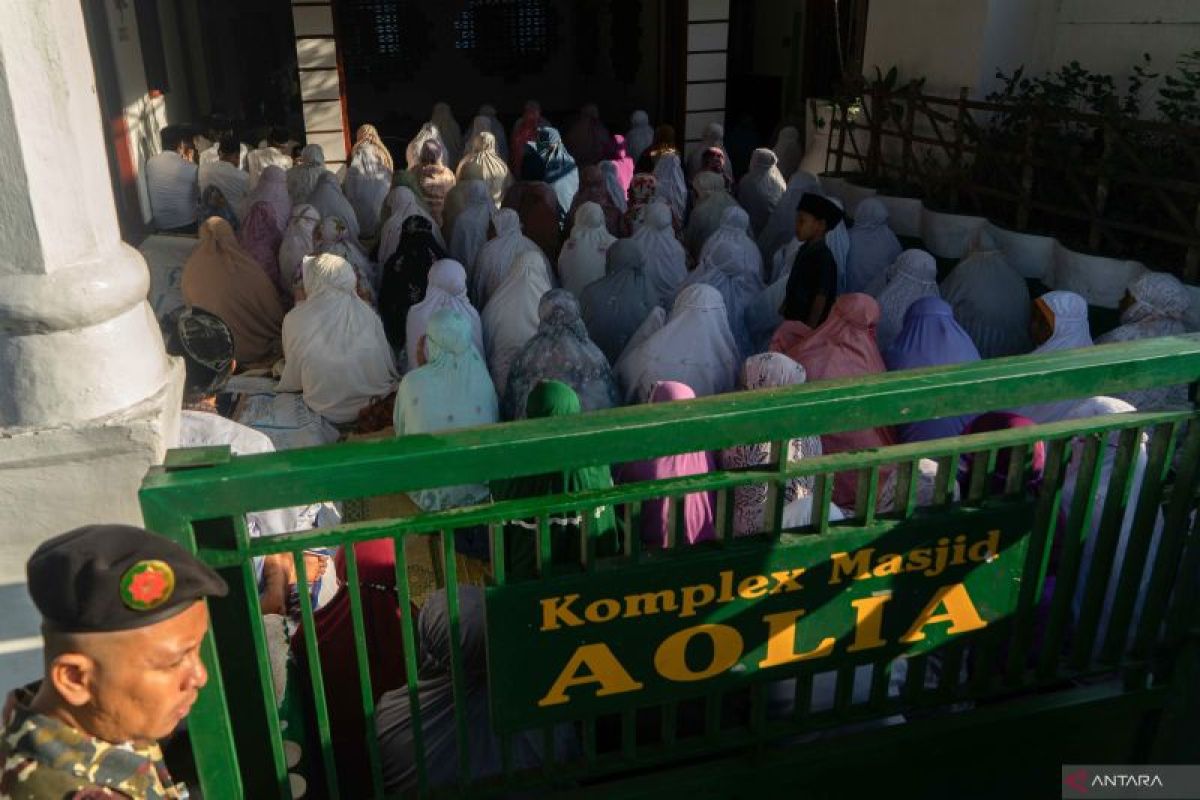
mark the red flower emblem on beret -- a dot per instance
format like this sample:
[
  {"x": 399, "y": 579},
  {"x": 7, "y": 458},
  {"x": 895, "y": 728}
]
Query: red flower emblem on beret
[{"x": 147, "y": 585}]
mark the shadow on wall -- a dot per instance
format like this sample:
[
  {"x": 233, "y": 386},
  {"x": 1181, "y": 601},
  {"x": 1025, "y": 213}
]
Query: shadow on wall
[{"x": 20, "y": 638}]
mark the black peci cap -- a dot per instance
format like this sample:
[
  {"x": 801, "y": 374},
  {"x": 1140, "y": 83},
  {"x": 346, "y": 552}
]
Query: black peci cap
[
  {"x": 104, "y": 578},
  {"x": 822, "y": 208}
]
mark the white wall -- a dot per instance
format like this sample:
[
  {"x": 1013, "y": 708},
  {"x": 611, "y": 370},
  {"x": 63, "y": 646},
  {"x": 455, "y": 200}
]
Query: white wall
[{"x": 955, "y": 43}]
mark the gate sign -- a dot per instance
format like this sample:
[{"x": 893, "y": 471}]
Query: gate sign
[{"x": 685, "y": 624}]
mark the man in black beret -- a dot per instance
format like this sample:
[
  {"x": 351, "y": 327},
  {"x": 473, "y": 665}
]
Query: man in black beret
[
  {"x": 123, "y": 616},
  {"x": 812, "y": 284}
]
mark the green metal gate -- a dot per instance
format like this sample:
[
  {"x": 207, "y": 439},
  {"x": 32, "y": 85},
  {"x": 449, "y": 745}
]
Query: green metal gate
[{"x": 670, "y": 703}]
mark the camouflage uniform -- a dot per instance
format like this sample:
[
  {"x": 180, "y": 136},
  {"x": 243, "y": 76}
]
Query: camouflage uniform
[{"x": 42, "y": 758}]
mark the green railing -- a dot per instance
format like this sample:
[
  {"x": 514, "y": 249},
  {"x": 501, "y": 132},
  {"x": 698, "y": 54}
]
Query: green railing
[{"x": 687, "y": 692}]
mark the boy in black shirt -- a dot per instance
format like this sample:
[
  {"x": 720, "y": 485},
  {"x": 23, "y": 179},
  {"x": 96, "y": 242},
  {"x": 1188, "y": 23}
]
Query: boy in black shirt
[{"x": 812, "y": 285}]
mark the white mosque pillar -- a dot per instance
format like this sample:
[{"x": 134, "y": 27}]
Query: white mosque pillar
[{"x": 88, "y": 398}]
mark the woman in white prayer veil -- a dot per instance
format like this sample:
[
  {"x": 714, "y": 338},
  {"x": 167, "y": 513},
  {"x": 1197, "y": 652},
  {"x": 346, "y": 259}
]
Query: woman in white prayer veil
[
  {"x": 781, "y": 226},
  {"x": 614, "y": 306},
  {"x": 447, "y": 288},
  {"x": 511, "y": 317},
  {"x": 447, "y": 125},
  {"x": 334, "y": 347},
  {"x": 640, "y": 134},
  {"x": 873, "y": 247},
  {"x": 498, "y": 254},
  {"x": 787, "y": 148},
  {"x": 990, "y": 300},
  {"x": 735, "y": 230},
  {"x": 585, "y": 255},
  {"x": 714, "y": 136},
  {"x": 760, "y": 188},
  {"x": 693, "y": 346},
  {"x": 1060, "y": 322},
  {"x": 328, "y": 199},
  {"x": 403, "y": 204},
  {"x": 366, "y": 185},
  {"x": 612, "y": 182},
  {"x": 724, "y": 268},
  {"x": 1095, "y": 407},
  {"x": 298, "y": 242},
  {"x": 664, "y": 257},
  {"x": 911, "y": 277},
  {"x": 428, "y": 132},
  {"x": 456, "y": 198},
  {"x": 492, "y": 168},
  {"x": 488, "y": 112},
  {"x": 471, "y": 225},
  {"x": 302, "y": 177},
  {"x": 670, "y": 183},
  {"x": 1154, "y": 305},
  {"x": 711, "y": 202}
]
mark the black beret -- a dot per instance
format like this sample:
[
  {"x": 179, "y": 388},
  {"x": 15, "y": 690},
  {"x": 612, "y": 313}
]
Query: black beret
[
  {"x": 820, "y": 207},
  {"x": 102, "y": 578}
]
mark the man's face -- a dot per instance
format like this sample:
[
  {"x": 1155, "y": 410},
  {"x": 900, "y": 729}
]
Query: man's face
[
  {"x": 808, "y": 227},
  {"x": 144, "y": 681}
]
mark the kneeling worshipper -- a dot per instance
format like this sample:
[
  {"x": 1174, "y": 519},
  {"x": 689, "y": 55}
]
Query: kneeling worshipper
[
  {"x": 299, "y": 240},
  {"x": 735, "y": 231},
  {"x": 434, "y": 181},
  {"x": 618, "y": 191},
  {"x": 405, "y": 276},
  {"x": 585, "y": 253},
  {"x": 843, "y": 347},
  {"x": 447, "y": 126},
  {"x": 911, "y": 277},
  {"x": 335, "y": 238},
  {"x": 428, "y": 133},
  {"x": 767, "y": 371},
  {"x": 693, "y": 346},
  {"x": 812, "y": 284},
  {"x": 641, "y": 193},
  {"x": 1059, "y": 322},
  {"x": 725, "y": 268},
  {"x": 781, "y": 225},
  {"x": 402, "y": 204},
  {"x": 560, "y": 351},
  {"x": 302, "y": 177},
  {"x": 990, "y": 300},
  {"x": 260, "y": 236},
  {"x": 556, "y": 399},
  {"x": 383, "y": 638},
  {"x": 498, "y": 254},
  {"x": 640, "y": 134},
  {"x": 663, "y": 142},
  {"x": 222, "y": 278},
  {"x": 225, "y": 174},
  {"x": 594, "y": 189},
  {"x": 713, "y": 137},
  {"x": 524, "y": 133},
  {"x": 621, "y": 164},
  {"x": 873, "y": 247},
  {"x": 335, "y": 350},
  {"x": 447, "y": 288},
  {"x": 711, "y": 202},
  {"x": 787, "y": 148},
  {"x": 616, "y": 305},
  {"x": 1155, "y": 304},
  {"x": 759, "y": 189},
  {"x": 511, "y": 316},
  {"x": 931, "y": 337},
  {"x": 671, "y": 186},
  {"x": 273, "y": 151},
  {"x": 537, "y": 206},
  {"x": 451, "y": 389},
  {"x": 483, "y": 153},
  {"x": 456, "y": 200},
  {"x": 327, "y": 198},
  {"x": 472, "y": 225},
  {"x": 558, "y": 168},
  {"x": 368, "y": 179},
  {"x": 587, "y": 140},
  {"x": 272, "y": 190},
  {"x": 664, "y": 257},
  {"x": 396, "y": 721},
  {"x": 487, "y": 112},
  {"x": 697, "y": 514}
]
